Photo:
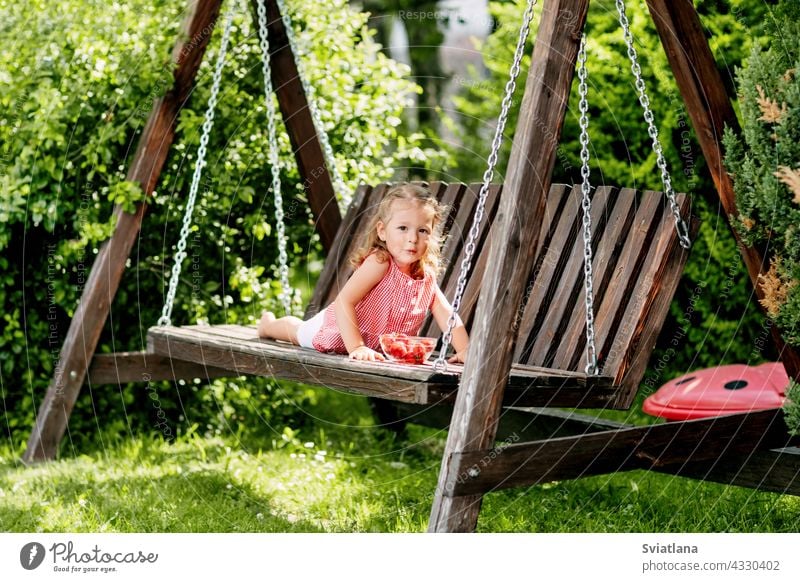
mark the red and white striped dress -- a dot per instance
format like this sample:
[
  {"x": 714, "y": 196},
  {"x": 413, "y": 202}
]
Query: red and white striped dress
[{"x": 398, "y": 303}]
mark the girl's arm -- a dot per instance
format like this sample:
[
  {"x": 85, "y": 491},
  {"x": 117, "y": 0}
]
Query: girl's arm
[
  {"x": 441, "y": 310},
  {"x": 362, "y": 282}
]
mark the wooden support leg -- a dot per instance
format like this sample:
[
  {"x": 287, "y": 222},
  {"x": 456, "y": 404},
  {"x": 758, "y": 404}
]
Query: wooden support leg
[
  {"x": 104, "y": 278},
  {"x": 494, "y": 331}
]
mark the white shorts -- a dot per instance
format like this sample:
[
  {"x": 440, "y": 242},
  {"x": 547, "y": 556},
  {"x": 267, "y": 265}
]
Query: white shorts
[{"x": 308, "y": 329}]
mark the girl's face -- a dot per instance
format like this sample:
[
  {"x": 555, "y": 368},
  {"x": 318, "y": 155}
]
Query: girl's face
[{"x": 407, "y": 232}]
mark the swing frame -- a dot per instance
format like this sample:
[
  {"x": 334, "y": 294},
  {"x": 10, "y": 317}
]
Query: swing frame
[{"x": 747, "y": 460}]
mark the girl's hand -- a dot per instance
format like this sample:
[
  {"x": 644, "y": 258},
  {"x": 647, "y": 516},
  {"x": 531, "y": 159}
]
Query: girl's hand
[
  {"x": 366, "y": 354},
  {"x": 457, "y": 358}
]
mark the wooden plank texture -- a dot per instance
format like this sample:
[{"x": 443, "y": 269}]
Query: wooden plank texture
[
  {"x": 618, "y": 215},
  {"x": 777, "y": 470},
  {"x": 124, "y": 367},
  {"x": 239, "y": 350}
]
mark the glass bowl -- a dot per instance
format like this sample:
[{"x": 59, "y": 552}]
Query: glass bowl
[{"x": 407, "y": 349}]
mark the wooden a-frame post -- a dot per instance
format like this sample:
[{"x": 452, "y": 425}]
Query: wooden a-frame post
[
  {"x": 148, "y": 161},
  {"x": 494, "y": 331}
]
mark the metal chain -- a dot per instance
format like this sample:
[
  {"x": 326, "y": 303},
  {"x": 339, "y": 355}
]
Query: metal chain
[
  {"x": 208, "y": 123},
  {"x": 283, "y": 268},
  {"x": 330, "y": 159},
  {"x": 440, "y": 365},
  {"x": 586, "y": 203},
  {"x": 680, "y": 226}
]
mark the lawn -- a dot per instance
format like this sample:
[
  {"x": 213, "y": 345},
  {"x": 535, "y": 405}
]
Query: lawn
[{"x": 340, "y": 473}]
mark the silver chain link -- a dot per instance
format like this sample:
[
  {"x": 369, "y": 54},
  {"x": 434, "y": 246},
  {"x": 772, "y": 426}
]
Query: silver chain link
[
  {"x": 208, "y": 123},
  {"x": 440, "y": 365},
  {"x": 680, "y": 226},
  {"x": 586, "y": 203},
  {"x": 283, "y": 259},
  {"x": 339, "y": 186}
]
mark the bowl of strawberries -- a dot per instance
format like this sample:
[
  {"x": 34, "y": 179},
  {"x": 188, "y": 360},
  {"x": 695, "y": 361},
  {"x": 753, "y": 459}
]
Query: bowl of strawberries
[{"x": 407, "y": 349}]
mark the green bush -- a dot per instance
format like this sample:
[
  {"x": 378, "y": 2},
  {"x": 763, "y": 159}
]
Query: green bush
[
  {"x": 764, "y": 161},
  {"x": 77, "y": 80}
]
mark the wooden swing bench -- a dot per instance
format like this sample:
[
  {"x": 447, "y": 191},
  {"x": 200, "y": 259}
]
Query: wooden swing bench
[{"x": 637, "y": 265}]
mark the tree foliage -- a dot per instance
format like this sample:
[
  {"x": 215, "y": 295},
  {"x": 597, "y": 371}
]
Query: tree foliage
[{"x": 765, "y": 163}]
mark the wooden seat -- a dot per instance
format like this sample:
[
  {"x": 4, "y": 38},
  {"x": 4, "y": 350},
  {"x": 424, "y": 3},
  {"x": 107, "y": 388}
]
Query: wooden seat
[{"x": 637, "y": 265}]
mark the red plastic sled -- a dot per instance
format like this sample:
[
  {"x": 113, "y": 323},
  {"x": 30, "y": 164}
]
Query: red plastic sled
[{"x": 721, "y": 390}]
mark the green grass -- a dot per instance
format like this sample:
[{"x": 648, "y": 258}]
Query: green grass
[{"x": 341, "y": 474}]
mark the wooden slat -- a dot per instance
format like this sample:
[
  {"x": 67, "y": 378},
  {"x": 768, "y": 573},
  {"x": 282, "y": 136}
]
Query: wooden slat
[
  {"x": 479, "y": 262},
  {"x": 570, "y": 296},
  {"x": 544, "y": 285},
  {"x": 239, "y": 350},
  {"x": 458, "y": 199},
  {"x": 648, "y": 306},
  {"x": 571, "y": 353},
  {"x": 451, "y": 198},
  {"x": 337, "y": 269},
  {"x": 611, "y": 313},
  {"x": 617, "y": 450},
  {"x": 124, "y": 367},
  {"x": 221, "y": 339},
  {"x": 289, "y": 364},
  {"x": 459, "y": 233},
  {"x": 338, "y": 252},
  {"x": 557, "y": 200}
]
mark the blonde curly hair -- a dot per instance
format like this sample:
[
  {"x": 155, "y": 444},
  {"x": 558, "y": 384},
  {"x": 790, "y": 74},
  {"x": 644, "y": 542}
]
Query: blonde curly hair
[{"x": 369, "y": 242}]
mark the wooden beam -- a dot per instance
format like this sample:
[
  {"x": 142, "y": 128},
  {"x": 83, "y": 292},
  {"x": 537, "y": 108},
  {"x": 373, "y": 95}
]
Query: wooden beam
[
  {"x": 306, "y": 146},
  {"x": 776, "y": 470},
  {"x": 103, "y": 281},
  {"x": 710, "y": 110},
  {"x": 643, "y": 447},
  {"x": 514, "y": 424},
  {"x": 124, "y": 367},
  {"x": 513, "y": 247}
]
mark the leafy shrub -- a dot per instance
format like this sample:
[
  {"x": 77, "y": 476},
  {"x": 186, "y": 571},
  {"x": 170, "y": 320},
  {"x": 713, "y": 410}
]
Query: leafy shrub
[
  {"x": 765, "y": 164},
  {"x": 77, "y": 80}
]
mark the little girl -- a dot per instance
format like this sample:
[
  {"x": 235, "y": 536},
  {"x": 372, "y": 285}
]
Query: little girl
[{"x": 391, "y": 290}]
